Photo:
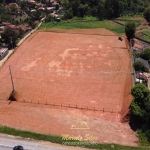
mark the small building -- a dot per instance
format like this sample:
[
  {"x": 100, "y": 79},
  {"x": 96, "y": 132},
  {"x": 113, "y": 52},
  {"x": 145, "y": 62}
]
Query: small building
[
  {"x": 50, "y": 9},
  {"x": 3, "y": 52},
  {"x": 141, "y": 78}
]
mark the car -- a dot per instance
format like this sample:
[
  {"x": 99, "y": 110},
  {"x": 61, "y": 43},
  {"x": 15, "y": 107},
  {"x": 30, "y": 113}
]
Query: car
[{"x": 19, "y": 147}]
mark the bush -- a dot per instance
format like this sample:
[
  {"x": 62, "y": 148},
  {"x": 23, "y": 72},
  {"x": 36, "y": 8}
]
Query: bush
[
  {"x": 130, "y": 29},
  {"x": 145, "y": 54},
  {"x": 139, "y": 66},
  {"x": 147, "y": 14}
]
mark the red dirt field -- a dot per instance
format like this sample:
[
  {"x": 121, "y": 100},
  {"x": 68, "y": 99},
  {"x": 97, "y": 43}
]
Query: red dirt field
[
  {"x": 102, "y": 127},
  {"x": 87, "y": 69},
  {"x": 82, "y": 68}
]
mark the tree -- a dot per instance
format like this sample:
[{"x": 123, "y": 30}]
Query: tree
[
  {"x": 112, "y": 8},
  {"x": 10, "y": 36},
  {"x": 130, "y": 30},
  {"x": 101, "y": 11},
  {"x": 140, "y": 108},
  {"x": 147, "y": 14},
  {"x": 82, "y": 10},
  {"x": 145, "y": 54},
  {"x": 13, "y": 8},
  {"x": 49, "y": 18},
  {"x": 74, "y": 5},
  {"x": 37, "y": 14},
  {"x": 140, "y": 92},
  {"x": 139, "y": 66},
  {"x": 68, "y": 14}
]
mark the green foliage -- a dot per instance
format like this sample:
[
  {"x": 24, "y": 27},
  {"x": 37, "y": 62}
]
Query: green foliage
[
  {"x": 142, "y": 137},
  {"x": 105, "y": 9},
  {"x": 147, "y": 14},
  {"x": 37, "y": 14},
  {"x": 136, "y": 110},
  {"x": 73, "y": 24},
  {"x": 130, "y": 29},
  {"x": 140, "y": 91},
  {"x": 101, "y": 10},
  {"x": 139, "y": 66},
  {"x": 140, "y": 109},
  {"x": 49, "y": 18},
  {"x": 68, "y": 14},
  {"x": 145, "y": 54},
  {"x": 10, "y": 36},
  {"x": 82, "y": 9}
]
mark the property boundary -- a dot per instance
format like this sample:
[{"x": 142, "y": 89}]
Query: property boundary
[{"x": 68, "y": 105}]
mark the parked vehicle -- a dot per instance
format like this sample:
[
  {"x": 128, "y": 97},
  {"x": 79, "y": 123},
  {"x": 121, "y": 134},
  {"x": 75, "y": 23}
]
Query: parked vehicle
[{"x": 19, "y": 147}]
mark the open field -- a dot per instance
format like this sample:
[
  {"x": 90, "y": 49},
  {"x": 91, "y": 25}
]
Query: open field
[
  {"x": 80, "y": 68},
  {"x": 84, "y": 68},
  {"x": 82, "y": 24}
]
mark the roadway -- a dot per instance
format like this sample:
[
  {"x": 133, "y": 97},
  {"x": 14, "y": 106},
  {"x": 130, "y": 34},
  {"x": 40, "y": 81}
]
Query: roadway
[{"x": 8, "y": 142}]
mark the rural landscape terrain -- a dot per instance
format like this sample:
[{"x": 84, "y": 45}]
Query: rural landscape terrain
[{"x": 73, "y": 75}]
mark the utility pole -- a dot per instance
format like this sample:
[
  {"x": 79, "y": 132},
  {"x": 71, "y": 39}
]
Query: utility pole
[{"x": 11, "y": 80}]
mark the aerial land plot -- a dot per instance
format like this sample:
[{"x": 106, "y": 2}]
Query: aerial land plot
[{"x": 87, "y": 68}]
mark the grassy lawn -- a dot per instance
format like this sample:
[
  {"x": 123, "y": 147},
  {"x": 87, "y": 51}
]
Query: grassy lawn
[
  {"x": 132, "y": 16},
  {"x": 85, "y": 23},
  {"x": 145, "y": 35},
  {"x": 59, "y": 140}
]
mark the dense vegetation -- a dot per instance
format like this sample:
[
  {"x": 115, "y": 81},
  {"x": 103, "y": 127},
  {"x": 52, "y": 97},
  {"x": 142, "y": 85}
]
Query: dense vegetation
[
  {"x": 103, "y": 9},
  {"x": 130, "y": 30},
  {"x": 139, "y": 66},
  {"x": 140, "y": 108},
  {"x": 145, "y": 54}
]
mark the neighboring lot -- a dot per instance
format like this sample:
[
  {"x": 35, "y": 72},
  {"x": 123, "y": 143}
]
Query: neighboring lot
[{"x": 78, "y": 68}]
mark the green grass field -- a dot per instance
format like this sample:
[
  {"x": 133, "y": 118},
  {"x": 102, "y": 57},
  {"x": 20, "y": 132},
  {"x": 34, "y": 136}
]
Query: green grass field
[{"x": 80, "y": 24}]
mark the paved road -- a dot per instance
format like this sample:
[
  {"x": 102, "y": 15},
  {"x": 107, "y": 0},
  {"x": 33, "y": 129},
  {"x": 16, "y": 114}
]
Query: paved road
[{"x": 8, "y": 142}]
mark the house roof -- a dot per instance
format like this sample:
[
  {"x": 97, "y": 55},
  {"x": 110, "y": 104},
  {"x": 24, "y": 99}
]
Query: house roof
[
  {"x": 10, "y": 4},
  {"x": 138, "y": 45},
  {"x": 141, "y": 77},
  {"x": 145, "y": 62},
  {"x": 24, "y": 28},
  {"x": 5, "y": 23}
]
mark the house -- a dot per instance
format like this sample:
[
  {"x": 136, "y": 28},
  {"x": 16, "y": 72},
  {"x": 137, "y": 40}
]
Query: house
[
  {"x": 145, "y": 62},
  {"x": 140, "y": 77},
  {"x": 3, "y": 52},
  {"x": 29, "y": 1},
  {"x": 24, "y": 28},
  {"x": 50, "y": 9}
]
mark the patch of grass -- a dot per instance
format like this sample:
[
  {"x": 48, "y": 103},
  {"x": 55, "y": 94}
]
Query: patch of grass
[
  {"x": 132, "y": 16},
  {"x": 76, "y": 24},
  {"x": 145, "y": 35},
  {"x": 59, "y": 140},
  {"x": 143, "y": 139}
]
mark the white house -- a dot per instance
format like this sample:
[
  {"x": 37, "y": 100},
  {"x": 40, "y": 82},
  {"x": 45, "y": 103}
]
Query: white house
[{"x": 3, "y": 52}]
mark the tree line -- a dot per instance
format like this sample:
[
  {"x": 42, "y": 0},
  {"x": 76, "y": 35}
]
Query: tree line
[
  {"x": 103, "y": 9},
  {"x": 140, "y": 110}
]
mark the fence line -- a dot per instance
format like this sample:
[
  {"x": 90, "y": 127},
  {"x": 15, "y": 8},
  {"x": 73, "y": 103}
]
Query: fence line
[{"x": 75, "y": 106}]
